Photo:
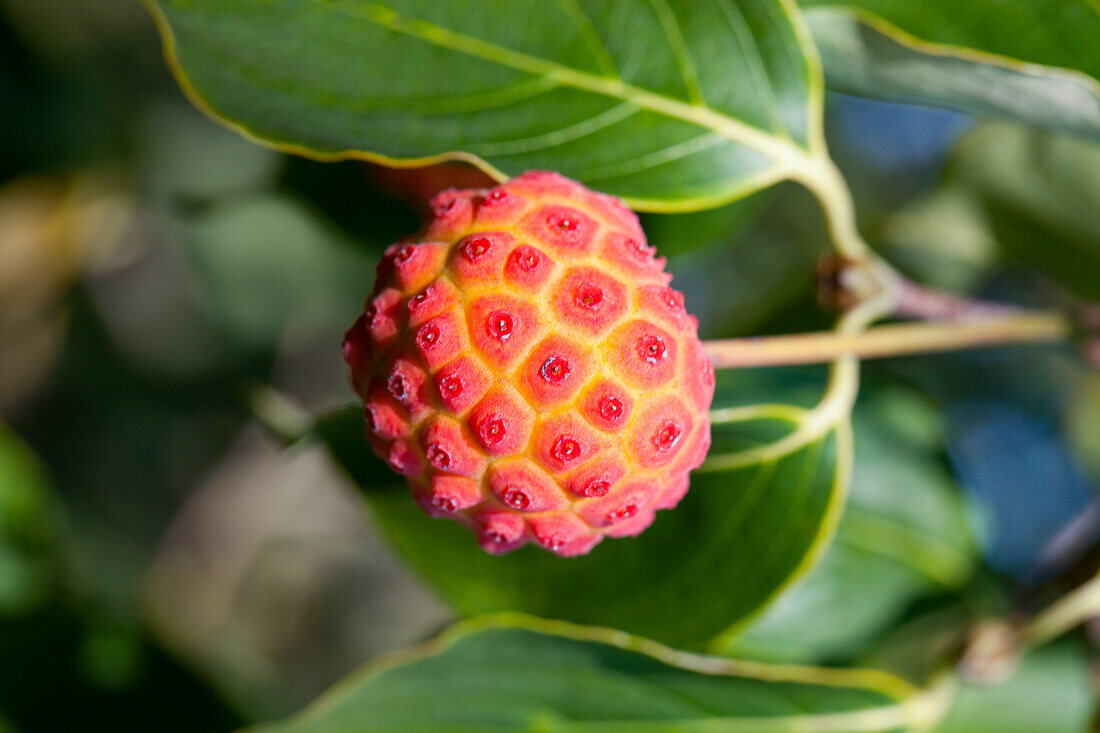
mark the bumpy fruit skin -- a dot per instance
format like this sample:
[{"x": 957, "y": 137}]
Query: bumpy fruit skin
[{"x": 526, "y": 366}]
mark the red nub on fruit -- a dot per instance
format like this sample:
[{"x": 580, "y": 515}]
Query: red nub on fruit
[{"x": 525, "y": 364}]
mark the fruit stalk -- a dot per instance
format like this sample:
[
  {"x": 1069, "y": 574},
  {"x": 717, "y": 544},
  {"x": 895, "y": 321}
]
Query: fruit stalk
[
  {"x": 892, "y": 340},
  {"x": 948, "y": 322}
]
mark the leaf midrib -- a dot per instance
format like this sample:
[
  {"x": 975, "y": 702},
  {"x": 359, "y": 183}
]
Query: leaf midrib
[{"x": 784, "y": 153}]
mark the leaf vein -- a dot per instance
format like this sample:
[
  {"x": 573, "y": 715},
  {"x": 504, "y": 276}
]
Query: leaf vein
[
  {"x": 591, "y": 36},
  {"x": 675, "y": 38},
  {"x": 657, "y": 157},
  {"x": 781, "y": 150},
  {"x": 755, "y": 61},
  {"x": 590, "y": 126},
  {"x": 479, "y": 102},
  {"x": 698, "y": 567}
]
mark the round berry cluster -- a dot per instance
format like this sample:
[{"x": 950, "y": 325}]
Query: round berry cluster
[{"x": 525, "y": 364}]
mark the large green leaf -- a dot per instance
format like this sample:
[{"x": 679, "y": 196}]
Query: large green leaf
[
  {"x": 903, "y": 534},
  {"x": 1017, "y": 194},
  {"x": 1041, "y": 192},
  {"x": 1034, "y": 60},
  {"x": 524, "y": 674},
  {"x": 735, "y": 541},
  {"x": 671, "y": 104}
]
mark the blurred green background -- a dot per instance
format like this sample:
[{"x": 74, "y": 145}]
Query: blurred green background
[{"x": 166, "y": 565}]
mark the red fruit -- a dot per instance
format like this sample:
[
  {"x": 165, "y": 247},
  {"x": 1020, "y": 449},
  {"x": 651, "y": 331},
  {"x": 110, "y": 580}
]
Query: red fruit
[{"x": 526, "y": 365}]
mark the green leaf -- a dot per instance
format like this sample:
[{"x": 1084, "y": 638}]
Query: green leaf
[
  {"x": 903, "y": 535},
  {"x": 931, "y": 639},
  {"x": 1049, "y": 692},
  {"x": 313, "y": 283},
  {"x": 1029, "y": 196},
  {"x": 735, "y": 541},
  {"x": 943, "y": 240},
  {"x": 1041, "y": 193},
  {"x": 30, "y": 525},
  {"x": 671, "y": 104},
  {"x": 524, "y": 674},
  {"x": 1034, "y": 60}
]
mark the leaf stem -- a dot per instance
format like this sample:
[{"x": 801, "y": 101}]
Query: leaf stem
[
  {"x": 821, "y": 176},
  {"x": 837, "y": 401},
  {"x": 903, "y": 339},
  {"x": 282, "y": 417},
  {"x": 996, "y": 646},
  {"x": 748, "y": 413},
  {"x": 1067, "y": 612}
]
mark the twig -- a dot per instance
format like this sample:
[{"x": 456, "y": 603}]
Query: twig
[
  {"x": 920, "y": 302},
  {"x": 892, "y": 340},
  {"x": 1077, "y": 607}
]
